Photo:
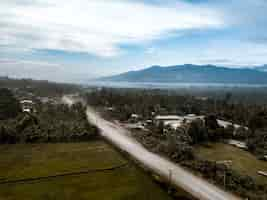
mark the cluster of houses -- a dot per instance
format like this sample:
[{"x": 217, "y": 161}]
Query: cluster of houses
[
  {"x": 176, "y": 121},
  {"x": 28, "y": 100},
  {"x": 29, "y": 106}
]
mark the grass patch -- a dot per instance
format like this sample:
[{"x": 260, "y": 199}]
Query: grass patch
[
  {"x": 242, "y": 161},
  {"x": 27, "y": 161}
]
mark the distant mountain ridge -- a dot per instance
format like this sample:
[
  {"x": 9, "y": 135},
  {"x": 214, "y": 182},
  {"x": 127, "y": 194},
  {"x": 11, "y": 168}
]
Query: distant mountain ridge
[
  {"x": 190, "y": 73},
  {"x": 262, "y": 68}
]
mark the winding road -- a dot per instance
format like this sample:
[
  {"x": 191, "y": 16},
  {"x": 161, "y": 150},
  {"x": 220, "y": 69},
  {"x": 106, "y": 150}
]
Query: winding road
[{"x": 120, "y": 137}]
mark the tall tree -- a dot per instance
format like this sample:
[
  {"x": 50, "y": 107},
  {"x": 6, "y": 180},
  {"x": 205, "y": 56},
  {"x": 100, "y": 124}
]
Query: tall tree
[{"x": 9, "y": 105}]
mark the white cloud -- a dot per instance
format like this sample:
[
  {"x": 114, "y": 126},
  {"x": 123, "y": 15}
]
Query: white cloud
[
  {"x": 28, "y": 63},
  {"x": 233, "y": 53},
  {"x": 19, "y": 68},
  {"x": 151, "y": 50},
  {"x": 96, "y": 27}
]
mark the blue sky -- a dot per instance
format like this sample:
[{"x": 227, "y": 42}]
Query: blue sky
[{"x": 79, "y": 39}]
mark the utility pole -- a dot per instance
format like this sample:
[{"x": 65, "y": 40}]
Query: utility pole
[
  {"x": 215, "y": 106},
  {"x": 170, "y": 179},
  {"x": 224, "y": 179}
]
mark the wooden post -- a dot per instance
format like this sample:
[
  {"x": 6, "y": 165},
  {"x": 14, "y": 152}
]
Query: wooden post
[
  {"x": 224, "y": 179},
  {"x": 170, "y": 179}
]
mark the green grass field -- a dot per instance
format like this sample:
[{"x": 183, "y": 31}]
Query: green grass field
[
  {"x": 242, "y": 161},
  {"x": 39, "y": 160}
]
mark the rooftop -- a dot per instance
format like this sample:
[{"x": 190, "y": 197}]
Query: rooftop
[
  {"x": 26, "y": 101},
  {"x": 168, "y": 117}
]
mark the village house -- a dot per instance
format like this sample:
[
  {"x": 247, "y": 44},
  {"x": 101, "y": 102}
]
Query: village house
[
  {"x": 164, "y": 118},
  {"x": 110, "y": 109},
  {"x": 176, "y": 121},
  {"x": 263, "y": 173},
  {"x": 27, "y": 106},
  {"x": 238, "y": 144},
  {"x": 134, "y": 118}
]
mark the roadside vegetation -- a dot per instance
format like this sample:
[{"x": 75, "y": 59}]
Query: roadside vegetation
[
  {"x": 9, "y": 105},
  {"x": 49, "y": 120},
  {"x": 240, "y": 160}
]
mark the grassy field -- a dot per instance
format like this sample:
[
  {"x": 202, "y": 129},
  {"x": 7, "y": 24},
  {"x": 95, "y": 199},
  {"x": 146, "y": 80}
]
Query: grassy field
[
  {"x": 242, "y": 161},
  {"x": 40, "y": 160}
]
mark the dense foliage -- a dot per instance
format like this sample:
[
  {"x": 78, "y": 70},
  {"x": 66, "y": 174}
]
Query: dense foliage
[
  {"x": 9, "y": 105},
  {"x": 38, "y": 88},
  {"x": 230, "y": 179},
  {"x": 148, "y": 103},
  {"x": 52, "y": 123},
  {"x": 143, "y": 102}
]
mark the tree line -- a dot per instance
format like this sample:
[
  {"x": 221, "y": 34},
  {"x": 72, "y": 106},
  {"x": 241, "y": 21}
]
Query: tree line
[
  {"x": 148, "y": 103},
  {"x": 50, "y": 123}
]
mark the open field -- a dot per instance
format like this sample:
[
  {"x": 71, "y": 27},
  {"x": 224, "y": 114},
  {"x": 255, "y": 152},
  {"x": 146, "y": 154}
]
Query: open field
[
  {"x": 242, "y": 161},
  {"x": 41, "y": 160}
]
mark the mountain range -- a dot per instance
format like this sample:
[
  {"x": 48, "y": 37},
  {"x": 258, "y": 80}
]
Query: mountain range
[{"x": 190, "y": 73}]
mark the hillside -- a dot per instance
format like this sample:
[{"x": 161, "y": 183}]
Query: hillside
[{"x": 193, "y": 74}]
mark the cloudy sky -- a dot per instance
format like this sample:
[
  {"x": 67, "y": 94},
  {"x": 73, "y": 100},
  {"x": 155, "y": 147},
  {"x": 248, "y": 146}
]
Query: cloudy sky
[{"x": 79, "y": 39}]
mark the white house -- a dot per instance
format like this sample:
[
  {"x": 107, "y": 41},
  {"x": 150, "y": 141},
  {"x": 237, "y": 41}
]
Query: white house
[
  {"x": 176, "y": 121},
  {"x": 27, "y": 105},
  {"x": 262, "y": 173},
  {"x": 239, "y": 144}
]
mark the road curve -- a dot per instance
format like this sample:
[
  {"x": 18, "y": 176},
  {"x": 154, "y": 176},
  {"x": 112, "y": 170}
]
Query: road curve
[{"x": 194, "y": 185}]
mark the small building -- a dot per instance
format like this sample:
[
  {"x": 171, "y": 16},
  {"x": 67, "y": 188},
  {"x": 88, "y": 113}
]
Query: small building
[
  {"x": 162, "y": 118},
  {"x": 27, "y": 106},
  {"x": 43, "y": 99},
  {"x": 134, "y": 118},
  {"x": 111, "y": 109},
  {"x": 174, "y": 124},
  {"x": 191, "y": 117},
  {"x": 225, "y": 124},
  {"x": 239, "y": 144},
  {"x": 149, "y": 122},
  {"x": 202, "y": 98},
  {"x": 262, "y": 173},
  {"x": 168, "y": 120},
  {"x": 176, "y": 121}
]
